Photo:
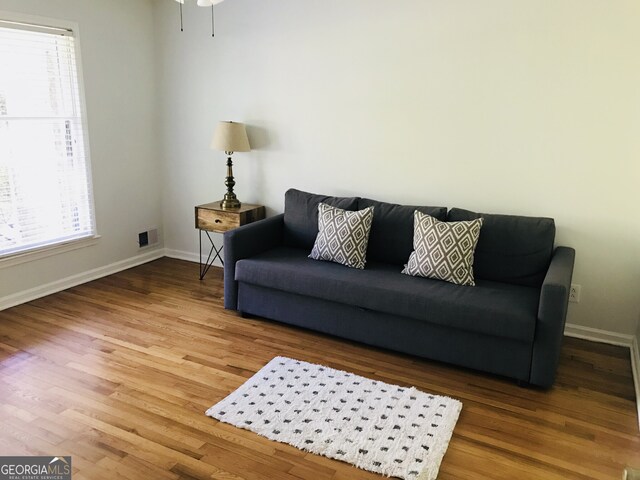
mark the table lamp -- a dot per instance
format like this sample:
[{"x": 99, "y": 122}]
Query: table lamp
[{"x": 230, "y": 137}]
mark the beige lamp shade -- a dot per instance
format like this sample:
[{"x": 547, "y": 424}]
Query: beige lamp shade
[{"x": 230, "y": 137}]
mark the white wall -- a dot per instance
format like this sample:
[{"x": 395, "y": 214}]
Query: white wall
[
  {"x": 499, "y": 106},
  {"x": 116, "y": 39}
]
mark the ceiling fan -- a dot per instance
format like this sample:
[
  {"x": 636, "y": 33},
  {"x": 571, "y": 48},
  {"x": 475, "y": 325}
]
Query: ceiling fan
[{"x": 201, "y": 3}]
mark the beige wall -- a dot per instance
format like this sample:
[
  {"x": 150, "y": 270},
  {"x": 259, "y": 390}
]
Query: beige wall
[
  {"x": 509, "y": 107},
  {"x": 500, "y": 106},
  {"x": 116, "y": 38}
]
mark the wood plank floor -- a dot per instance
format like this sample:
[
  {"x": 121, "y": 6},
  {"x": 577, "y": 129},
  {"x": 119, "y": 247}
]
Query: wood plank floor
[{"x": 118, "y": 373}]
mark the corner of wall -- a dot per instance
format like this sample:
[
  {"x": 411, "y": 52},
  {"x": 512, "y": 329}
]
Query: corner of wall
[
  {"x": 635, "y": 367},
  {"x": 630, "y": 341}
]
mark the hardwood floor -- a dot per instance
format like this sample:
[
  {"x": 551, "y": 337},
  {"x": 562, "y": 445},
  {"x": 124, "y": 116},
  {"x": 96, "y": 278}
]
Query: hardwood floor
[{"x": 118, "y": 373}]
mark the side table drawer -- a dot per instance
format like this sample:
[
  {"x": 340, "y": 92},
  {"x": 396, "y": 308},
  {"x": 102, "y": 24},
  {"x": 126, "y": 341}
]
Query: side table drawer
[{"x": 216, "y": 221}]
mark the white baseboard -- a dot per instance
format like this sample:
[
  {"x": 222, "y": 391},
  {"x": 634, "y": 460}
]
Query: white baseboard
[
  {"x": 188, "y": 256},
  {"x": 597, "y": 335},
  {"x": 182, "y": 255},
  {"x": 84, "y": 277},
  {"x": 635, "y": 367}
]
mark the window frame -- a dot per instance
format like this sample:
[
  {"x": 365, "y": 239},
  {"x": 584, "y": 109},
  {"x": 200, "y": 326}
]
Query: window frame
[{"x": 61, "y": 246}]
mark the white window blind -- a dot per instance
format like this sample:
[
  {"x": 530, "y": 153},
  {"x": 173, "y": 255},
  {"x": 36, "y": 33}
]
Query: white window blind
[{"x": 45, "y": 183}]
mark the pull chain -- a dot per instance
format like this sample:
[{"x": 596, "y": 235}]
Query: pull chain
[{"x": 180, "y": 2}]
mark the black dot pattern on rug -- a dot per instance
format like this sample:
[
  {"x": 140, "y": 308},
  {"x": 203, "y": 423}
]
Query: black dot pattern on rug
[{"x": 392, "y": 430}]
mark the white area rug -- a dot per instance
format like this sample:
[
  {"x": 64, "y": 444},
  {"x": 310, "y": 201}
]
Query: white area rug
[{"x": 396, "y": 431}]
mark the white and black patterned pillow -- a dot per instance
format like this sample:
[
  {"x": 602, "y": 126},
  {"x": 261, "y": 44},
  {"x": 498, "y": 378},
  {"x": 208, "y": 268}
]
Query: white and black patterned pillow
[
  {"x": 443, "y": 250},
  {"x": 343, "y": 235}
]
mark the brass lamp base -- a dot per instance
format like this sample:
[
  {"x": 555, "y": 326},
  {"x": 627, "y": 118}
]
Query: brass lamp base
[{"x": 229, "y": 202}]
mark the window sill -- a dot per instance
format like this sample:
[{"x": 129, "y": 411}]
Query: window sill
[{"x": 48, "y": 251}]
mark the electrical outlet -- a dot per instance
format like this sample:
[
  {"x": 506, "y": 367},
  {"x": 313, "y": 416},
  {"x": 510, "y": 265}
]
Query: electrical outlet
[{"x": 574, "y": 293}]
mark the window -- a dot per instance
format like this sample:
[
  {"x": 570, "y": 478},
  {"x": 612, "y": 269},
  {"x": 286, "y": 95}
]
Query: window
[{"x": 45, "y": 181}]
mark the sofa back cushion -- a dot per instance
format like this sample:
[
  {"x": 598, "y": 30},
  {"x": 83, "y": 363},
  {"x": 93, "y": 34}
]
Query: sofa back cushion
[
  {"x": 512, "y": 249},
  {"x": 301, "y": 215},
  {"x": 391, "y": 238}
]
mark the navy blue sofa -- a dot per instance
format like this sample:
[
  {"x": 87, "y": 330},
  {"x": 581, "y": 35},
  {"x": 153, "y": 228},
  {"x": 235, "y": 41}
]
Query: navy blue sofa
[{"x": 511, "y": 323}]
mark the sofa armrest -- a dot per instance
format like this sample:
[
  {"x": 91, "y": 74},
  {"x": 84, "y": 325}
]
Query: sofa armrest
[
  {"x": 244, "y": 242},
  {"x": 552, "y": 313}
]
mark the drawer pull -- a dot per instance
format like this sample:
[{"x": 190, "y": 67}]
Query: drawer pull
[{"x": 218, "y": 220}]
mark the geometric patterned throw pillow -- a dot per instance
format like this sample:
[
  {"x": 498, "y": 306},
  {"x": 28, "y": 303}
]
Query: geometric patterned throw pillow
[
  {"x": 343, "y": 235},
  {"x": 443, "y": 250}
]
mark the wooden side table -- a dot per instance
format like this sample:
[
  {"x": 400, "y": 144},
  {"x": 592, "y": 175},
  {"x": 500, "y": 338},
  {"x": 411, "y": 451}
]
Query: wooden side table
[{"x": 211, "y": 217}]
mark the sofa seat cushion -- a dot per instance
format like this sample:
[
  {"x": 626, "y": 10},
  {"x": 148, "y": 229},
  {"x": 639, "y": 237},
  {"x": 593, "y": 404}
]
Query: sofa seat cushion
[{"x": 490, "y": 308}]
